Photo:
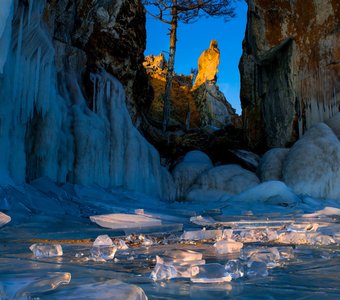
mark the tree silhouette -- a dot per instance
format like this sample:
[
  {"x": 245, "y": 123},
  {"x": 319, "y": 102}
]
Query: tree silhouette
[{"x": 172, "y": 12}]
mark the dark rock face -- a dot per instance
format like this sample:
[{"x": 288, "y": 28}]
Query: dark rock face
[
  {"x": 111, "y": 35},
  {"x": 289, "y": 69}
]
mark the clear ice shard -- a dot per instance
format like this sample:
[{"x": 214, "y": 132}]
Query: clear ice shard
[
  {"x": 4, "y": 219},
  {"x": 103, "y": 248},
  {"x": 269, "y": 256},
  {"x": 211, "y": 273},
  {"x": 234, "y": 268},
  {"x": 257, "y": 269},
  {"x": 228, "y": 246},
  {"x": 118, "y": 221},
  {"x": 177, "y": 264},
  {"x": 46, "y": 250},
  {"x": 198, "y": 235},
  {"x": 50, "y": 282}
]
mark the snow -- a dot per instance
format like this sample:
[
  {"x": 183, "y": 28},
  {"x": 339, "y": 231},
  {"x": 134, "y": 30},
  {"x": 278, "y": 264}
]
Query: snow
[
  {"x": 232, "y": 179},
  {"x": 270, "y": 165},
  {"x": 312, "y": 166}
]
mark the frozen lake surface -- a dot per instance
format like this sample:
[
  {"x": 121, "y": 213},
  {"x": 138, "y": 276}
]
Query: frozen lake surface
[{"x": 286, "y": 254}]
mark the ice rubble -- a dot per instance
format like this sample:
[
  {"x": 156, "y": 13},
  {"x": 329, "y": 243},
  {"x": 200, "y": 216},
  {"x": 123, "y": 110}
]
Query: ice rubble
[
  {"x": 198, "y": 235},
  {"x": 186, "y": 172},
  {"x": 47, "y": 128},
  {"x": 232, "y": 179},
  {"x": 234, "y": 268},
  {"x": 211, "y": 273},
  {"x": 228, "y": 246},
  {"x": 46, "y": 250}
]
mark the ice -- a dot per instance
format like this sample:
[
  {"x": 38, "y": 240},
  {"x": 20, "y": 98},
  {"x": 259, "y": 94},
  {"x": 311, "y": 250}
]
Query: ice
[
  {"x": 228, "y": 246},
  {"x": 118, "y": 221},
  {"x": 48, "y": 283},
  {"x": 234, "y": 268},
  {"x": 203, "y": 221},
  {"x": 211, "y": 273},
  {"x": 187, "y": 171},
  {"x": 257, "y": 269},
  {"x": 168, "y": 268},
  {"x": 316, "y": 154},
  {"x": 46, "y": 250},
  {"x": 198, "y": 235},
  {"x": 201, "y": 195},
  {"x": 122, "y": 245},
  {"x": 303, "y": 227},
  {"x": 232, "y": 179},
  {"x": 327, "y": 211},
  {"x": 305, "y": 238},
  {"x": 103, "y": 248},
  {"x": 269, "y": 256},
  {"x": 4, "y": 219},
  {"x": 249, "y": 158},
  {"x": 6, "y": 14},
  {"x": 183, "y": 255},
  {"x": 270, "y": 166},
  {"x": 106, "y": 290}
]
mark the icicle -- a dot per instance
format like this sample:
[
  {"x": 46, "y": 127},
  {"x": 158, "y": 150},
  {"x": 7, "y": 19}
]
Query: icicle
[{"x": 30, "y": 3}]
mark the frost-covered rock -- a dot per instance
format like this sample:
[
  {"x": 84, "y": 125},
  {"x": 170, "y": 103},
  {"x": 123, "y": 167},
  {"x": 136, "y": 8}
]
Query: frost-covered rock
[
  {"x": 232, "y": 179},
  {"x": 312, "y": 166},
  {"x": 187, "y": 171},
  {"x": 270, "y": 165}
]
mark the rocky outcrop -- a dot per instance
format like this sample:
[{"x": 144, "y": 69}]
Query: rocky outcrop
[
  {"x": 208, "y": 65},
  {"x": 289, "y": 69},
  {"x": 63, "y": 113}
]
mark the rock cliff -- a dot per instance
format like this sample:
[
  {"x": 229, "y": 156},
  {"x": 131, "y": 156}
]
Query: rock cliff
[
  {"x": 63, "y": 113},
  {"x": 289, "y": 69}
]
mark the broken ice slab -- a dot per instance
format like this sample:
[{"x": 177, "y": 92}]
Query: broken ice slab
[
  {"x": 48, "y": 283},
  {"x": 46, "y": 250},
  {"x": 183, "y": 255},
  {"x": 203, "y": 221},
  {"x": 327, "y": 211},
  {"x": 121, "y": 245},
  {"x": 211, "y": 273},
  {"x": 4, "y": 219},
  {"x": 103, "y": 248},
  {"x": 270, "y": 256},
  {"x": 106, "y": 290},
  {"x": 228, "y": 246},
  {"x": 257, "y": 269},
  {"x": 305, "y": 238},
  {"x": 119, "y": 221},
  {"x": 198, "y": 235},
  {"x": 235, "y": 268},
  {"x": 168, "y": 268}
]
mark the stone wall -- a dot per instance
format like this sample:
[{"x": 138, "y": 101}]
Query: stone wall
[{"x": 289, "y": 69}]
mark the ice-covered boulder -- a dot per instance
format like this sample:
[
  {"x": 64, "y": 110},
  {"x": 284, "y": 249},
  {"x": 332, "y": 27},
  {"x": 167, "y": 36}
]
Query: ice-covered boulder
[
  {"x": 186, "y": 172},
  {"x": 270, "y": 166},
  {"x": 201, "y": 195},
  {"x": 312, "y": 166},
  {"x": 334, "y": 124},
  {"x": 269, "y": 193},
  {"x": 232, "y": 179}
]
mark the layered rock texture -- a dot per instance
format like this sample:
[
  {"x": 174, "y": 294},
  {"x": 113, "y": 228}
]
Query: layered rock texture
[
  {"x": 63, "y": 112},
  {"x": 289, "y": 69}
]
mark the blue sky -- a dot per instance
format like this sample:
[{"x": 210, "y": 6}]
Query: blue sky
[{"x": 193, "y": 39}]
